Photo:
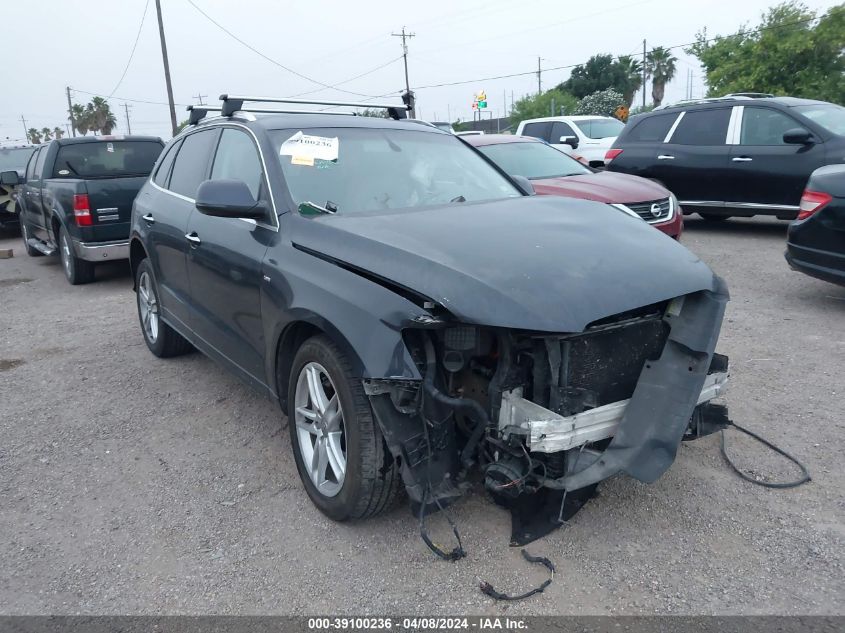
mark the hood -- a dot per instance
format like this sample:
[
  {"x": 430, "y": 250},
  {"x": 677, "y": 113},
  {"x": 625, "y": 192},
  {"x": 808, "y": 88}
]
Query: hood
[
  {"x": 537, "y": 263},
  {"x": 603, "y": 186}
]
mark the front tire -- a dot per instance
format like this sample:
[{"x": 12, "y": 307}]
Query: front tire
[
  {"x": 342, "y": 459},
  {"x": 161, "y": 339},
  {"x": 78, "y": 271}
]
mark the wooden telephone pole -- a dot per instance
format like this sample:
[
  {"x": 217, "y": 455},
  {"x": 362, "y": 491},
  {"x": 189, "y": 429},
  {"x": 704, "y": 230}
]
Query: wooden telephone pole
[{"x": 173, "y": 123}]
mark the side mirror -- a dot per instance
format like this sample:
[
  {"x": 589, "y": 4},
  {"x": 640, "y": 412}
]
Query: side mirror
[
  {"x": 524, "y": 185},
  {"x": 229, "y": 199},
  {"x": 10, "y": 178},
  {"x": 572, "y": 141},
  {"x": 798, "y": 136}
]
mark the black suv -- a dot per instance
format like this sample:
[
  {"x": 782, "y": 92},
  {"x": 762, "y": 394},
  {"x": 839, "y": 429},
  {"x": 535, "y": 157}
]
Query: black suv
[
  {"x": 416, "y": 312},
  {"x": 735, "y": 155}
]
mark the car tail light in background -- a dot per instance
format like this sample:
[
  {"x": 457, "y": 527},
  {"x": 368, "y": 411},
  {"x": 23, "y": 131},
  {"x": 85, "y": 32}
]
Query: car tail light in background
[
  {"x": 611, "y": 154},
  {"x": 811, "y": 202},
  {"x": 82, "y": 210}
]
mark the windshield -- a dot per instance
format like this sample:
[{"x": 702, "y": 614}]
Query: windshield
[
  {"x": 15, "y": 159},
  {"x": 355, "y": 170},
  {"x": 830, "y": 117},
  {"x": 106, "y": 159},
  {"x": 600, "y": 128},
  {"x": 533, "y": 160}
]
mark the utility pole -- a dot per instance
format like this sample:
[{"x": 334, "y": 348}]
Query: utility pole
[
  {"x": 200, "y": 98},
  {"x": 25, "y": 129},
  {"x": 406, "y": 36},
  {"x": 539, "y": 77},
  {"x": 166, "y": 68},
  {"x": 644, "y": 73},
  {"x": 126, "y": 107},
  {"x": 70, "y": 111}
]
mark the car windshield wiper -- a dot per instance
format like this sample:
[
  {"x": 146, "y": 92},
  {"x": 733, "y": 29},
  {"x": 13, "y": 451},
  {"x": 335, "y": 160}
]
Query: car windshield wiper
[{"x": 458, "y": 199}]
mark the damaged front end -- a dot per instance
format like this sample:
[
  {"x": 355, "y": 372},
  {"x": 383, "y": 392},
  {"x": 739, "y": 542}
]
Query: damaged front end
[{"x": 547, "y": 416}]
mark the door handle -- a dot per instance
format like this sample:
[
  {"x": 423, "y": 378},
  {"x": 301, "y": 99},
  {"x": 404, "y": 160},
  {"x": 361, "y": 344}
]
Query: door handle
[
  {"x": 193, "y": 238},
  {"x": 742, "y": 159},
  {"x": 149, "y": 219},
  {"x": 665, "y": 157}
]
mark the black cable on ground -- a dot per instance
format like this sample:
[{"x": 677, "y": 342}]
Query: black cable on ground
[
  {"x": 805, "y": 474},
  {"x": 487, "y": 588},
  {"x": 457, "y": 552}
]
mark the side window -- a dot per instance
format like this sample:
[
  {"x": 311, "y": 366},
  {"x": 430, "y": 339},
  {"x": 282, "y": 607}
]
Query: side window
[
  {"x": 163, "y": 170},
  {"x": 30, "y": 166},
  {"x": 191, "y": 165},
  {"x": 764, "y": 126},
  {"x": 703, "y": 127},
  {"x": 538, "y": 130},
  {"x": 559, "y": 128},
  {"x": 651, "y": 129},
  {"x": 39, "y": 162},
  {"x": 237, "y": 158}
]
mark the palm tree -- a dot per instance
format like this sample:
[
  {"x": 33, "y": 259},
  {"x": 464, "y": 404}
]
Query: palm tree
[
  {"x": 78, "y": 120},
  {"x": 46, "y": 133},
  {"x": 34, "y": 136},
  {"x": 632, "y": 77},
  {"x": 58, "y": 132},
  {"x": 660, "y": 67},
  {"x": 104, "y": 119}
]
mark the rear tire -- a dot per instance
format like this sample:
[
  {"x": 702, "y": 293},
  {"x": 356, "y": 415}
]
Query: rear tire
[
  {"x": 161, "y": 339},
  {"x": 78, "y": 271},
  {"x": 25, "y": 234},
  {"x": 332, "y": 428},
  {"x": 714, "y": 217}
]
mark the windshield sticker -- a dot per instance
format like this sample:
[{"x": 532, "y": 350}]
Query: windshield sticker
[
  {"x": 63, "y": 172},
  {"x": 110, "y": 147},
  {"x": 302, "y": 147}
]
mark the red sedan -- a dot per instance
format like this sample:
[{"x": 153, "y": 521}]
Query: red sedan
[{"x": 553, "y": 173}]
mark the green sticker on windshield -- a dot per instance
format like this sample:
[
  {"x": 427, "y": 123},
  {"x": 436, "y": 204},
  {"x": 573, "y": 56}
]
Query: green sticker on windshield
[{"x": 320, "y": 163}]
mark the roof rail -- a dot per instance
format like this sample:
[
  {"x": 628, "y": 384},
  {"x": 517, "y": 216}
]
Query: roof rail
[
  {"x": 198, "y": 113},
  {"x": 233, "y": 103},
  {"x": 733, "y": 96},
  {"x": 751, "y": 95}
]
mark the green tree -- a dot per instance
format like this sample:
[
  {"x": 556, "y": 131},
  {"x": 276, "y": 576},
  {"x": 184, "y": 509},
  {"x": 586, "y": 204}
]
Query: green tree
[
  {"x": 785, "y": 55},
  {"x": 58, "y": 132},
  {"x": 182, "y": 126},
  {"x": 631, "y": 77},
  {"x": 34, "y": 136},
  {"x": 379, "y": 113},
  {"x": 602, "y": 72},
  {"x": 46, "y": 134},
  {"x": 601, "y": 103},
  {"x": 553, "y": 102},
  {"x": 103, "y": 119},
  {"x": 660, "y": 68}
]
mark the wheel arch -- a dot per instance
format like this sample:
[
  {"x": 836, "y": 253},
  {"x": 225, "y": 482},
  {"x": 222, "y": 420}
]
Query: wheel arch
[
  {"x": 291, "y": 338},
  {"x": 137, "y": 254}
]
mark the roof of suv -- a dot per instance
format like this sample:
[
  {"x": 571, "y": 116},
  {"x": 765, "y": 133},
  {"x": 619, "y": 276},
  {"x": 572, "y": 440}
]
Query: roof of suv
[
  {"x": 302, "y": 121},
  {"x": 574, "y": 117},
  {"x": 720, "y": 101}
]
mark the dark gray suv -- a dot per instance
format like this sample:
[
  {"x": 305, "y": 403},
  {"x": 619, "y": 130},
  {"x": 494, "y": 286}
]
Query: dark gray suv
[{"x": 736, "y": 155}]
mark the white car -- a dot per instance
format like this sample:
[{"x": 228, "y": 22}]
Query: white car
[{"x": 592, "y": 136}]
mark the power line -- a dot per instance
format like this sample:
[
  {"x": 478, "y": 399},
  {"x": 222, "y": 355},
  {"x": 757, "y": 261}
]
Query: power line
[
  {"x": 569, "y": 66},
  {"x": 269, "y": 59},
  {"x": 134, "y": 46},
  {"x": 346, "y": 81}
]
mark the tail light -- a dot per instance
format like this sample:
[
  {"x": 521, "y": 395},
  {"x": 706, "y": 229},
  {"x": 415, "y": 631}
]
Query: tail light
[
  {"x": 611, "y": 154},
  {"x": 82, "y": 210},
  {"x": 811, "y": 202}
]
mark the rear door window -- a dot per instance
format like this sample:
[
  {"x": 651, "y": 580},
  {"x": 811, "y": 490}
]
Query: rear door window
[
  {"x": 163, "y": 170},
  {"x": 651, "y": 129},
  {"x": 600, "y": 128},
  {"x": 30, "y": 167},
  {"x": 703, "y": 127},
  {"x": 541, "y": 130},
  {"x": 192, "y": 162},
  {"x": 106, "y": 159},
  {"x": 765, "y": 126}
]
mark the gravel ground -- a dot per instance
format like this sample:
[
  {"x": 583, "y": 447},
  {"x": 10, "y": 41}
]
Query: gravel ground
[{"x": 133, "y": 485}]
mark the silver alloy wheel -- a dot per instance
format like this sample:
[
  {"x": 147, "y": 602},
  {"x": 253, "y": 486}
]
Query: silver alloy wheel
[
  {"x": 148, "y": 307},
  {"x": 320, "y": 429},
  {"x": 65, "y": 250}
]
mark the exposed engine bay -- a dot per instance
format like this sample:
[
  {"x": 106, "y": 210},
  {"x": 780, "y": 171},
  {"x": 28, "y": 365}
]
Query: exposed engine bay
[{"x": 546, "y": 417}]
